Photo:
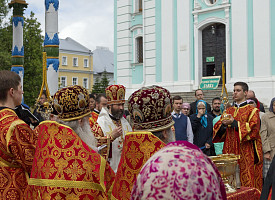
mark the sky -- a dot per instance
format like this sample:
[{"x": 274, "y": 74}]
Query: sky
[{"x": 89, "y": 22}]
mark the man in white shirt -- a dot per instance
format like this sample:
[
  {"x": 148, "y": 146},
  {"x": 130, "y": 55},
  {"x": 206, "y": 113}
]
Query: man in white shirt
[{"x": 183, "y": 128}]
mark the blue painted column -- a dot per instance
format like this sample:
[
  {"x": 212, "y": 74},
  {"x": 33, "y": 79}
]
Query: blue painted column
[
  {"x": 51, "y": 44},
  {"x": 17, "y": 43}
]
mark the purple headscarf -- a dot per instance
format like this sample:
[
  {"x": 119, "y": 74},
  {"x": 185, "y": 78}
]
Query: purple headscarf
[
  {"x": 185, "y": 105},
  {"x": 179, "y": 171},
  {"x": 271, "y": 105}
]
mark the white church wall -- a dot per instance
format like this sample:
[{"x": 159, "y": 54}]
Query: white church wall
[
  {"x": 167, "y": 40},
  {"x": 261, "y": 19},
  {"x": 239, "y": 39}
]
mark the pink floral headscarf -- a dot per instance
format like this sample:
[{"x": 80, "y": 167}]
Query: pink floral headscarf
[{"x": 179, "y": 171}]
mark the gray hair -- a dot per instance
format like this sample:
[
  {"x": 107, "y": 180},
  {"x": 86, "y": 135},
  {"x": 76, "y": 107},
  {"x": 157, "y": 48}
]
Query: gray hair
[{"x": 170, "y": 138}]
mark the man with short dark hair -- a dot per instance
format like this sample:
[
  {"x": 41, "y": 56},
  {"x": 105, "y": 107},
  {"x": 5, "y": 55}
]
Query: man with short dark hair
[
  {"x": 183, "y": 128},
  {"x": 17, "y": 144},
  {"x": 239, "y": 130},
  {"x": 100, "y": 102},
  {"x": 199, "y": 96},
  {"x": 216, "y": 107}
]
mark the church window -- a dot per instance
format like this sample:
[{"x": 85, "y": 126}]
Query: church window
[
  {"x": 139, "y": 50},
  {"x": 210, "y": 2},
  {"x": 138, "y": 6}
]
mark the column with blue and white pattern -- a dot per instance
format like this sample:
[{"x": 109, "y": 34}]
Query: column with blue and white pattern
[
  {"x": 51, "y": 44},
  {"x": 17, "y": 44}
]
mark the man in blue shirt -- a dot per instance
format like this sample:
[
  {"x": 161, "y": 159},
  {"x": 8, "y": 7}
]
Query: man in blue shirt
[{"x": 183, "y": 128}]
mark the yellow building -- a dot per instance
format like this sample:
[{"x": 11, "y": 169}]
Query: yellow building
[{"x": 76, "y": 64}]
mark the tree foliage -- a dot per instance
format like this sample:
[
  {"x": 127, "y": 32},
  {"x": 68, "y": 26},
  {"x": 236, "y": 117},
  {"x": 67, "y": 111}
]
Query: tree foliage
[
  {"x": 97, "y": 86},
  {"x": 101, "y": 83},
  {"x": 5, "y": 38},
  {"x": 3, "y": 10},
  {"x": 33, "y": 49}
]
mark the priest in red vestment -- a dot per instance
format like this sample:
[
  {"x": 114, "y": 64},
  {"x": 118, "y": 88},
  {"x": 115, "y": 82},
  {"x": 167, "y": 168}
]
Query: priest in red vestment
[
  {"x": 66, "y": 163},
  {"x": 239, "y": 131},
  {"x": 150, "y": 109},
  {"x": 17, "y": 141}
]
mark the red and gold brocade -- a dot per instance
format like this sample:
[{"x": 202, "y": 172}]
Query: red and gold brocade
[
  {"x": 65, "y": 167},
  {"x": 93, "y": 118},
  {"x": 245, "y": 142},
  {"x": 102, "y": 140},
  {"x": 17, "y": 148},
  {"x": 138, "y": 147}
]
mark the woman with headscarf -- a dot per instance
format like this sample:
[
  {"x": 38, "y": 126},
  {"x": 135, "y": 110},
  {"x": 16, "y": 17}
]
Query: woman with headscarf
[
  {"x": 179, "y": 171},
  {"x": 267, "y": 133},
  {"x": 254, "y": 102},
  {"x": 202, "y": 126},
  {"x": 185, "y": 109}
]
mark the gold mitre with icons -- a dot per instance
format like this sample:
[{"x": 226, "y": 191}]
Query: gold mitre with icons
[{"x": 115, "y": 94}]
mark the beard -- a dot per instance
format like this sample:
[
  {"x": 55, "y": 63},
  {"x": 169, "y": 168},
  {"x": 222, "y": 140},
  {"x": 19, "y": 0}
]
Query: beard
[
  {"x": 83, "y": 131},
  {"x": 217, "y": 109},
  {"x": 117, "y": 113}
]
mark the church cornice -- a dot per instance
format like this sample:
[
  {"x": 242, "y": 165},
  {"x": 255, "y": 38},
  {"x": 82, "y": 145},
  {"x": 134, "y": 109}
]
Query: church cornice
[{"x": 211, "y": 9}]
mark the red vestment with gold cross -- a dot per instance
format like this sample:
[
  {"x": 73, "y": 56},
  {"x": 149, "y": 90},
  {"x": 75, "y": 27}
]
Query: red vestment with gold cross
[
  {"x": 138, "y": 147},
  {"x": 246, "y": 142},
  {"x": 17, "y": 148},
  {"x": 65, "y": 167}
]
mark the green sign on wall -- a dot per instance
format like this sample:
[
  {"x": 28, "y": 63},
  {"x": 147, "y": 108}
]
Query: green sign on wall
[
  {"x": 210, "y": 82},
  {"x": 210, "y": 59}
]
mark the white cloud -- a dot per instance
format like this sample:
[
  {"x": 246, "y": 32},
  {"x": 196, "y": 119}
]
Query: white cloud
[{"x": 89, "y": 22}]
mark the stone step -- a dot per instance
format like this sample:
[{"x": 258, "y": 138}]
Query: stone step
[{"x": 208, "y": 95}]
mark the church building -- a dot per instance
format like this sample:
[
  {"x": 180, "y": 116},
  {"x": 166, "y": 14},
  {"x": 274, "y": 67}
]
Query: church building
[{"x": 174, "y": 43}]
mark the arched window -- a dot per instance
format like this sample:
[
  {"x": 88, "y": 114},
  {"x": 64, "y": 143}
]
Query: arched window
[{"x": 139, "y": 50}]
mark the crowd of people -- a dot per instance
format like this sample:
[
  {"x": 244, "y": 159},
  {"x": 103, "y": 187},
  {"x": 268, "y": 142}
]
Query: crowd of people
[{"x": 159, "y": 148}]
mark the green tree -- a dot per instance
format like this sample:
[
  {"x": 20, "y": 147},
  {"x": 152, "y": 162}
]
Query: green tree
[
  {"x": 5, "y": 37},
  {"x": 5, "y": 47},
  {"x": 97, "y": 86},
  {"x": 3, "y": 10},
  {"x": 33, "y": 48},
  {"x": 104, "y": 80}
]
